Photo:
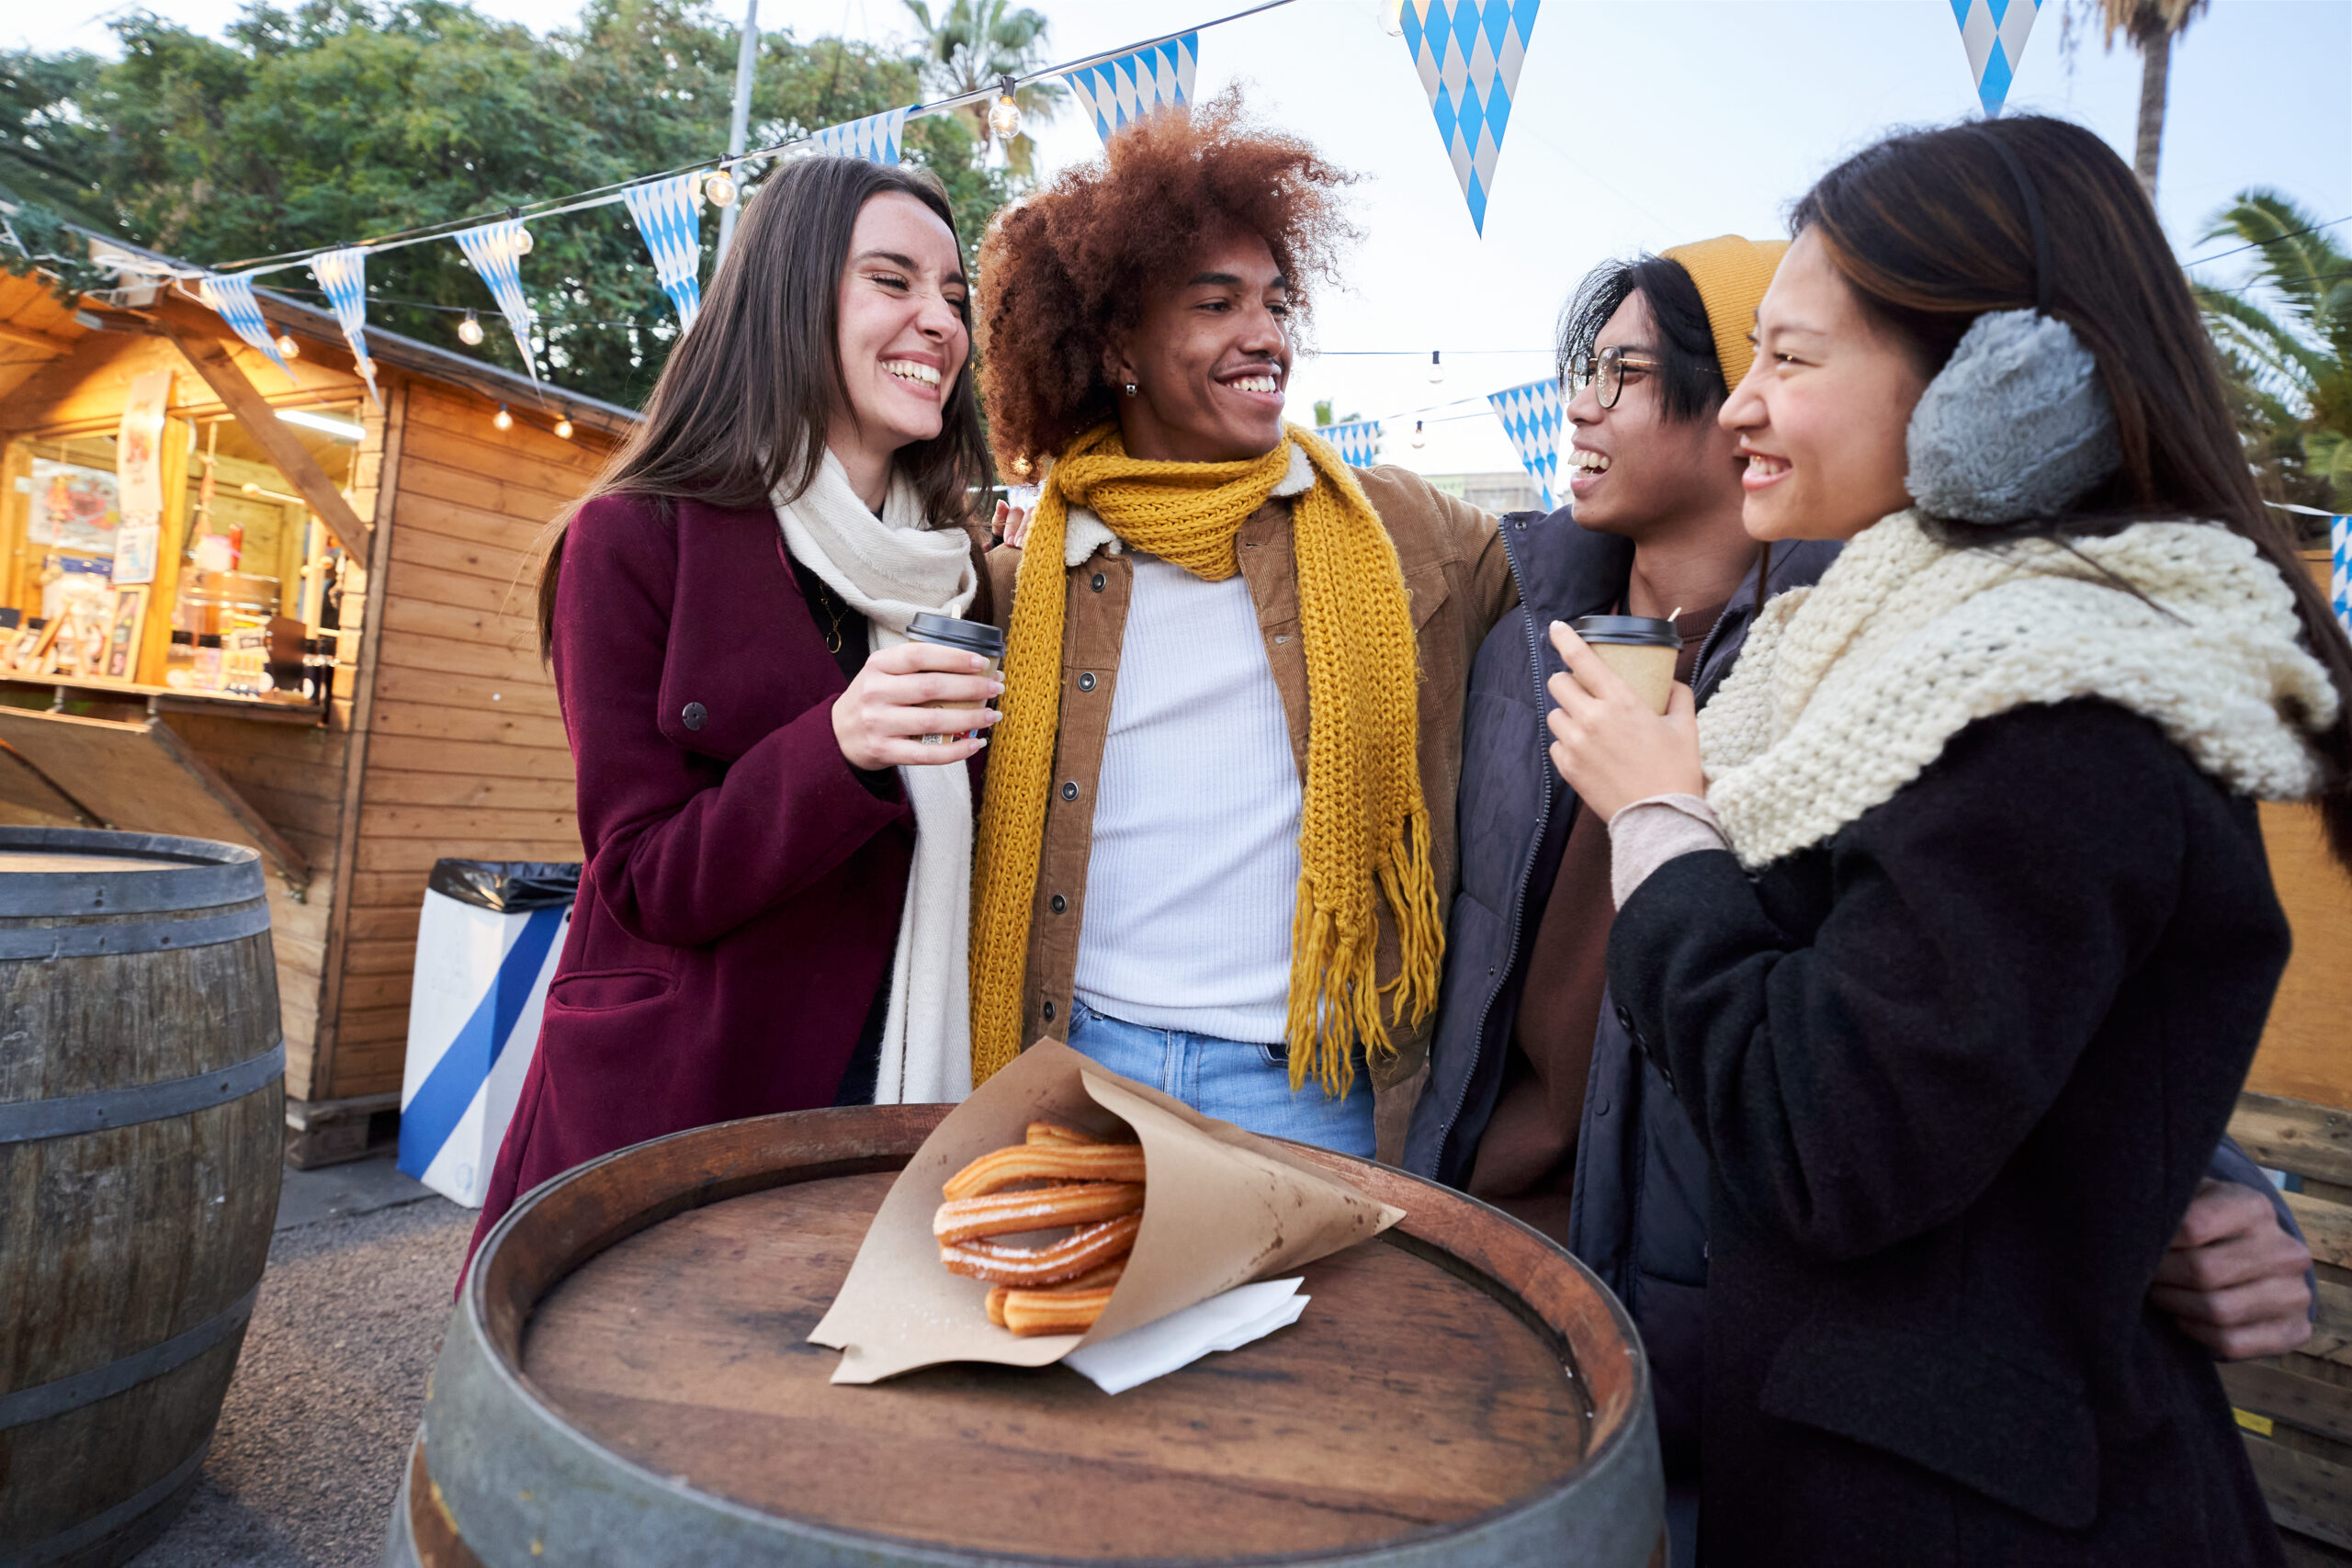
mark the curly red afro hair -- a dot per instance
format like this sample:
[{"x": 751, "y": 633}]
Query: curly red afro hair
[{"x": 1063, "y": 275}]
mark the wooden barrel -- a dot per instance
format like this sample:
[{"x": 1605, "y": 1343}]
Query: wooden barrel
[
  {"x": 141, "y": 1126},
  {"x": 628, "y": 1379}
]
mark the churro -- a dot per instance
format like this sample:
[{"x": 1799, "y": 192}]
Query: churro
[
  {"x": 1101, "y": 1278},
  {"x": 1046, "y": 1162},
  {"x": 1055, "y": 1132},
  {"x": 1030, "y": 1266},
  {"x": 1054, "y": 1311},
  {"x": 1042, "y": 1209}
]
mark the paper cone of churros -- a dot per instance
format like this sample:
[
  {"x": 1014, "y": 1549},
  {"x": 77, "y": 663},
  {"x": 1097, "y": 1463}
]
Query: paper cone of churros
[{"x": 1217, "y": 1207}]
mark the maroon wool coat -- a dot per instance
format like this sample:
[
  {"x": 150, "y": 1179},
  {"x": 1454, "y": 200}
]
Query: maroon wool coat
[{"x": 741, "y": 896}]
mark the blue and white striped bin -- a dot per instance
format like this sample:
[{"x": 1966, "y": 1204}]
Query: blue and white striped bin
[{"x": 473, "y": 1021}]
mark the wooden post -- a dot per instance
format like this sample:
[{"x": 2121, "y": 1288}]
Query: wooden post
[
  {"x": 164, "y": 591},
  {"x": 261, "y": 422}
]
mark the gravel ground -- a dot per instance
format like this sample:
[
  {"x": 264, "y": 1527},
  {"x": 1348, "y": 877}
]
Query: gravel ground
[{"x": 328, "y": 1389}]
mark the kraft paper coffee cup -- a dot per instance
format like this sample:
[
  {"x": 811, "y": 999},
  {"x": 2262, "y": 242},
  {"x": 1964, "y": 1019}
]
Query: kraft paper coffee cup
[
  {"x": 1641, "y": 649},
  {"x": 972, "y": 636}
]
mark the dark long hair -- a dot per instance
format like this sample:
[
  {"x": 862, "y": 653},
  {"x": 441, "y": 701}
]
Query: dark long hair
[
  {"x": 743, "y": 408},
  {"x": 1692, "y": 383},
  {"x": 1931, "y": 229}
]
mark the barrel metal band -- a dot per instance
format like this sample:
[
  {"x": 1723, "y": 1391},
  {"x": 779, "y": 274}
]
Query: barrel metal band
[
  {"x": 46, "y": 1399},
  {"x": 24, "y": 1121},
  {"x": 69, "y": 1541},
  {"x": 133, "y": 936}
]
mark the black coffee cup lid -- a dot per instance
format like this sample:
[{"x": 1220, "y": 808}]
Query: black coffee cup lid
[
  {"x": 978, "y": 636},
  {"x": 1638, "y": 631}
]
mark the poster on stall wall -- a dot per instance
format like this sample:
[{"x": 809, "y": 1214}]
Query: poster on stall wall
[
  {"x": 139, "y": 477},
  {"x": 74, "y": 508}
]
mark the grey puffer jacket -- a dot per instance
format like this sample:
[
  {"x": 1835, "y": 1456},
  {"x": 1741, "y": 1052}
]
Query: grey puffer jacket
[{"x": 1638, "y": 1216}]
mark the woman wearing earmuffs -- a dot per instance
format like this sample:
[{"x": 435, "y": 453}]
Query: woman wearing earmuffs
[{"x": 1950, "y": 922}]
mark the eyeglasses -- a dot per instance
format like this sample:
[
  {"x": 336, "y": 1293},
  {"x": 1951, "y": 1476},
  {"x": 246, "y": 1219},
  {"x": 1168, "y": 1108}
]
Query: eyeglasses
[{"x": 1605, "y": 372}]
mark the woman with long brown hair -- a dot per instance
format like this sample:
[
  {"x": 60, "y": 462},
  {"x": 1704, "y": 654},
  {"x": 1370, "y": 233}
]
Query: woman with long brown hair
[
  {"x": 773, "y": 910},
  {"x": 1961, "y": 957}
]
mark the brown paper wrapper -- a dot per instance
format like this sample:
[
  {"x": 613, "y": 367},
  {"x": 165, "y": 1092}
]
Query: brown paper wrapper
[{"x": 1222, "y": 1207}]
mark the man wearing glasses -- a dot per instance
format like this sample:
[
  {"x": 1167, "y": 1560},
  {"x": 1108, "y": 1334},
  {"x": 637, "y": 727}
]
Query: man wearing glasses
[{"x": 1537, "y": 1100}]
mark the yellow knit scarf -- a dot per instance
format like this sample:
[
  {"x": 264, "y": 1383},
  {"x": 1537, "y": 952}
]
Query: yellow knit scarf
[{"x": 1365, "y": 819}]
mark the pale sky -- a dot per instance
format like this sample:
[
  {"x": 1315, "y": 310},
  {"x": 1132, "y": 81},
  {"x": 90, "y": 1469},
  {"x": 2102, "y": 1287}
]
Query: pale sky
[{"x": 1638, "y": 124}]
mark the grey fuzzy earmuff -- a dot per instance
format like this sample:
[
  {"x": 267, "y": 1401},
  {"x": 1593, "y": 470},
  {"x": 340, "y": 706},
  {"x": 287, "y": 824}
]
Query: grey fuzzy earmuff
[{"x": 2016, "y": 425}]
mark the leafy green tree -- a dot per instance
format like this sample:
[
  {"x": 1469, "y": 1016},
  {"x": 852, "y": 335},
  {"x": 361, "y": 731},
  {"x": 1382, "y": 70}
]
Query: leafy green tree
[
  {"x": 973, "y": 44},
  {"x": 345, "y": 120},
  {"x": 2290, "y": 361}
]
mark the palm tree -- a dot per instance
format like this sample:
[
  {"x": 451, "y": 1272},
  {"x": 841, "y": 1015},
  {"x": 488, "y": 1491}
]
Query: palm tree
[
  {"x": 2292, "y": 365},
  {"x": 974, "y": 42},
  {"x": 2150, "y": 25}
]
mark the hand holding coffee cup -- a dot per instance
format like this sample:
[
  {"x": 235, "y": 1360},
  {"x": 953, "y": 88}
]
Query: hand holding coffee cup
[
  {"x": 1613, "y": 740},
  {"x": 886, "y": 717}
]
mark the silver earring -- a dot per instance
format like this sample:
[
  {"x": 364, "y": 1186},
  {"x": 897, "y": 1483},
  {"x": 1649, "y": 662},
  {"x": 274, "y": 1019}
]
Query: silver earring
[{"x": 1131, "y": 389}]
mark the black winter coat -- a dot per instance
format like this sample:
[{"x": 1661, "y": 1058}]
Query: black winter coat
[{"x": 1959, "y": 1071}]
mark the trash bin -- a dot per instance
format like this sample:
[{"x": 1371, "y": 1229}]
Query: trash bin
[{"x": 486, "y": 948}]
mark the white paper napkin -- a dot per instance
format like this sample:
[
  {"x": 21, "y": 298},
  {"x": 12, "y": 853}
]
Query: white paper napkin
[{"x": 1221, "y": 1323}]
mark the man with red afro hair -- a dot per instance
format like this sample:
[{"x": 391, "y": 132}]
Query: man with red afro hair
[{"x": 1217, "y": 850}]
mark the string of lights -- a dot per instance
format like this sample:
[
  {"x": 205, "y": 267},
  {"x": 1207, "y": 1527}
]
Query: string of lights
[{"x": 720, "y": 188}]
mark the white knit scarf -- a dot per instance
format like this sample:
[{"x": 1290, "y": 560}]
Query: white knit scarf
[
  {"x": 1847, "y": 690},
  {"x": 892, "y": 569}
]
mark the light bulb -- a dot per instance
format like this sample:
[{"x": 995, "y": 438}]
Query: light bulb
[
  {"x": 1437, "y": 368},
  {"x": 1392, "y": 16},
  {"x": 470, "y": 329},
  {"x": 522, "y": 241},
  {"x": 563, "y": 428},
  {"x": 287, "y": 347},
  {"x": 719, "y": 188},
  {"x": 1021, "y": 465},
  {"x": 1005, "y": 117},
  {"x": 1419, "y": 439},
  {"x": 503, "y": 419}
]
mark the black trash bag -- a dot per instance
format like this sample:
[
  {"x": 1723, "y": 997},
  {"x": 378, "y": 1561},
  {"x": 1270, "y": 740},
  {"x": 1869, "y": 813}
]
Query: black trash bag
[{"x": 508, "y": 886}]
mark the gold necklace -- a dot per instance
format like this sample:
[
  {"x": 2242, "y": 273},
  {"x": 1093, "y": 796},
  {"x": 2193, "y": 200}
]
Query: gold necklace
[{"x": 833, "y": 638}]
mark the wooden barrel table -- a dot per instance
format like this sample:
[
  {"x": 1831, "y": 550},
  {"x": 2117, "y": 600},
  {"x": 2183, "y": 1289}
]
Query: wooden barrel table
[
  {"x": 141, "y": 1128},
  {"x": 628, "y": 1379}
]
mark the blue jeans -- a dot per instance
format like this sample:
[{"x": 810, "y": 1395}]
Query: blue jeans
[{"x": 1232, "y": 1080}]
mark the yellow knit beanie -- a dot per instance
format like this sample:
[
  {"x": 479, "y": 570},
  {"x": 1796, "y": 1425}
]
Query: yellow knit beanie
[{"x": 1732, "y": 275}]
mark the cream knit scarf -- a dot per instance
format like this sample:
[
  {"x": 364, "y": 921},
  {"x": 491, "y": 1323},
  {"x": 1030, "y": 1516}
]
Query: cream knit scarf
[
  {"x": 1847, "y": 690},
  {"x": 890, "y": 569}
]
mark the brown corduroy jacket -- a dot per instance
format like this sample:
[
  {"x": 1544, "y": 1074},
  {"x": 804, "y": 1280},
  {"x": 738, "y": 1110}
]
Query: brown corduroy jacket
[{"x": 1460, "y": 584}]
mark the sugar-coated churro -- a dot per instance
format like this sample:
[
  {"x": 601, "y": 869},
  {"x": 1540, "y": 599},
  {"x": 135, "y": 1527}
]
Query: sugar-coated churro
[
  {"x": 1054, "y": 1311},
  {"x": 1030, "y": 1266},
  {"x": 1046, "y": 1162},
  {"x": 1046, "y": 1208}
]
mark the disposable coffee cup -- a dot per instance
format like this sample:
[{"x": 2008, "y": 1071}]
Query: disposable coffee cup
[
  {"x": 972, "y": 636},
  {"x": 1642, "y": 651}
]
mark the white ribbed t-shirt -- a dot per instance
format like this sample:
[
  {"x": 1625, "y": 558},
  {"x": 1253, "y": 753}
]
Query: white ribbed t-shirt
[{"x": 1193, "y": 873}]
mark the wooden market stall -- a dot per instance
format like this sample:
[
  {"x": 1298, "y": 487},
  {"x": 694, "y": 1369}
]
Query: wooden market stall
[{"x": 330, "y": 654}]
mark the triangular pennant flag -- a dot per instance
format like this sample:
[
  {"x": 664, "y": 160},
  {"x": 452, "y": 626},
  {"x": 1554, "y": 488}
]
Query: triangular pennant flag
[
  {"x": 876, "y": 139},
  {"x": 1118, "y": 91},
  {"x": 495, "y": 250},
  {"x": 1993, "y": 32},
  {"x": 232, "y": 294},
  {"x": 1469, "y": 52},
  {"x": 344, "y": 275},
  {"x": 1532, "y": 417},
  {"x": 2340, "y": 587},
  {"x": 669, "y": 214},
  {"x": 1358, "y": 441}
]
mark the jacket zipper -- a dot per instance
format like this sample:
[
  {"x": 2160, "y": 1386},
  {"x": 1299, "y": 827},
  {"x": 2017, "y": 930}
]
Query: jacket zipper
[{"x": 1534, "y": 848}]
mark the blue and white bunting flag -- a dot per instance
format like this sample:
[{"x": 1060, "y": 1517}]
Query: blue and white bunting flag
[
  {"x": 1116, "y": 92},
  {"x": 1358, "y": 441},
  {"x": 232, "y": 294},
  {"x": 495, "y": 250},
  {"x": 1469, "y": 52},
  {"x": 2339, "y": 531},
  {"x": 1994, "y": 31},
  {"x": 344, "y": 275},
  {"x": 669, "y": 214},
  {"x": 1533, "y": 417},
  {"x": 876, "y": 138}
]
